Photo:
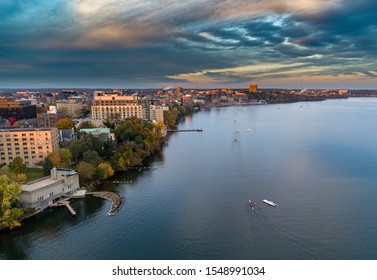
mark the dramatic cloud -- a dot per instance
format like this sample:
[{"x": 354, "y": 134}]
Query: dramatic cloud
[{"x": 201, "y": 43}]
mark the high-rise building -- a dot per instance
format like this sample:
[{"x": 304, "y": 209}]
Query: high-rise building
[
  {"x": 113, "y": 106},
  {"x": 31, "y": 144},
  {"x": 253, "y": 88}
]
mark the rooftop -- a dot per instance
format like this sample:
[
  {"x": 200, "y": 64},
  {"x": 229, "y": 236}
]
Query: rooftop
[
  {"x": 25, "y": 129},
  {"x": 96, "y": 130},
  {"x": 39, "y": 184}
]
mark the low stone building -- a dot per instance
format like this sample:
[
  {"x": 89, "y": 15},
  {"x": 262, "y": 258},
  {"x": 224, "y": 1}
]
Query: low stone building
[{"x": 42, "y": 193}]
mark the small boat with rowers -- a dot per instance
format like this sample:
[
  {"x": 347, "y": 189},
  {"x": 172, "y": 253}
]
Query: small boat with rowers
[
  {"x": 269, "y": 202},
  {"x": 251, "y": 204}
]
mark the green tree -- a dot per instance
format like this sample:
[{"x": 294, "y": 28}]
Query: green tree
[
  {"x": 86, "y": 125},
  {"x": 17, "y": 166},
  {"x": 108, "y": 149},
  {"x": 85, "y": 171},
  {"x": 99, "y": 173},
  {"x": 65, "y": 123},
  {"x": 10, "y": 214},
  {"x": 85, "y": 143},
  {"x": 169, "y": 119},
  {"x": 47, "y": 166},
  {"x": 91, "y": 157}
]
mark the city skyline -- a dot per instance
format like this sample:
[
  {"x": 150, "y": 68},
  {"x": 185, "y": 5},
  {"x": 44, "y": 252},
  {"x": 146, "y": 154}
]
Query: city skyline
[{"x": 193, "y": 44}]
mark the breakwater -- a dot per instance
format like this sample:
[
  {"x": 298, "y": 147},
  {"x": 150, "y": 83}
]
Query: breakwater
[{"x": 115, "y": 199}]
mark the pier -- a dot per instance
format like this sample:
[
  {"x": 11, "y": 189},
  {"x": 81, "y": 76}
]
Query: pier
[
  {"x": 185, "y": 130},
  {"x": 70, "y": 209},
  {"x": 64, "y": 202}
]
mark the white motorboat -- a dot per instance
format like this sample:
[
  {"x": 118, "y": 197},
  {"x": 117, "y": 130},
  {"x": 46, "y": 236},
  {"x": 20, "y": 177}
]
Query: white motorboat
[{"x": 268, "y": 202}]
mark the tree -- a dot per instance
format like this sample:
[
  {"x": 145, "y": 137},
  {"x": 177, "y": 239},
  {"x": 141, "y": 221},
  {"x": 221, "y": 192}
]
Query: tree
[
  {"x": 41, "y": 109},
  {"x": 85, "y": 171},
  {"x": 47, "y": 166},
  {"x": 61, "y": 158},
  {"x": 109, "y": 172},
  {"x": 169, "y": 119},
  {"x": 92, "y": 157},
  {"x": 86, "y": 125},
  {"x": 10, "y": 215},
  {"x": 99, "y": 173},
  {"x": 108, "y": 149},
  {"x": 17, "y": 166},
  {"x": 65, "y": 123},
  {"x": 159, "y": 128}
]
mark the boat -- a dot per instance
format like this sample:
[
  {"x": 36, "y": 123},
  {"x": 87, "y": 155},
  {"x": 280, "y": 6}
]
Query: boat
[
  {"x": 268, "y": 202},
  {"x": 251, "y": 204}
]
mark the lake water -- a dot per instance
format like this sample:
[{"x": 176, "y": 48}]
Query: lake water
[{"x": 317, "y": 161}]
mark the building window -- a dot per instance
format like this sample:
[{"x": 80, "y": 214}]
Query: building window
[
  {"x": 51, "y": 194},
  {"x": 40, "y": 198}
]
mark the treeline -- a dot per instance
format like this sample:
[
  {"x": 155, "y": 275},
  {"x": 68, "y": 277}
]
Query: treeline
[
  {"x": 273, "y": 97},
  {"x": 95, "y": 158},
  {"x": 11, "y": 211},
  {"x": 172, "y": 116}
]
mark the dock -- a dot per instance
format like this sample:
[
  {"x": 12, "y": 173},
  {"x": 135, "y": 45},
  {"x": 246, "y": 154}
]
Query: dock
[
  {"x": 70, "y": 209},
  {"x": 185, "y": 130},
  {"x": 64, "y": 202}
]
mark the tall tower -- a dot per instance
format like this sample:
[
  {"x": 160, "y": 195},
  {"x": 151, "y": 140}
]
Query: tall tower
[{"x": 253, "y": 88}]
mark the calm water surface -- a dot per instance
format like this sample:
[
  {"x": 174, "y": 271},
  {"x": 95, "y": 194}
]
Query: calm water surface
[{"x": 317, "y": 161}]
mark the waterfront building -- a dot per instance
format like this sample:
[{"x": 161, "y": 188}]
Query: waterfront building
[
  {"x": 31, "y": 144},
  {"x": 113, "y": 106},
  {"x": 19, "y": 109},
  {"x": 40, "y": 194}
]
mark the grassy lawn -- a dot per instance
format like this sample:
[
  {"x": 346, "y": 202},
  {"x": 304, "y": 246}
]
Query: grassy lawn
[{"x": 33, "y": 174}]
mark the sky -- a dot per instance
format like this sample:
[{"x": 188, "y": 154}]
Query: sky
[{"x": 191, "y": 43}]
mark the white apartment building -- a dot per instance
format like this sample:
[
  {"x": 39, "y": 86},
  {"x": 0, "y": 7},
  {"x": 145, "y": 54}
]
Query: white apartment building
[
  {"x": 110, "y": 106},
  {"x": 156, "y": 113}
]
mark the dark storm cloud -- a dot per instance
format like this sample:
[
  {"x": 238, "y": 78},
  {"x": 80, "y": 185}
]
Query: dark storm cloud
[{"x": 129, "y": 42}]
